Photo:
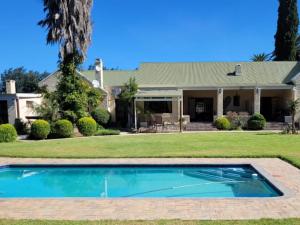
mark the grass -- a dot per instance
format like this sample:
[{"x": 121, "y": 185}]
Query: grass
[
  {"x": 235, "y": 144},
  {"x": 170, "y": 222}
]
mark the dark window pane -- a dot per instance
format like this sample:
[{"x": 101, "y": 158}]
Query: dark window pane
[
  {"x": 236, "y": 100},
  {"x": 158, "y": 107}
]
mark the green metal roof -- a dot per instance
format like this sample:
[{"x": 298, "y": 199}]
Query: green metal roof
[
  {"x": 111, "y": 77},
  {"x": 216, "y": 74},
  {"x": 198, "y": 74}
]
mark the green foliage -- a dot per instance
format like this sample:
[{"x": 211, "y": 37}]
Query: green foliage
[
  {"x": 129, "y": 90},
  {"x": 21, "y": 127},
  {"x": 62, "y": 129},
  {"x": 101, "y": 116},
  {"x": 95, "y": 98},
  {"x": 256, "y": 122},
  {"x": 127, "y": 95},
  {"x": 105, "y": 132},
  {"x": 26, "y": 81},
  {"x": 87, "y": 126},
  {"x": 8, "y": 133},
  {"x": 287, "y": 31},
  {"x": 222, "y": 123},
  {"x": 49, "y": 108},
  {"x": 294, "y": 107},
  {"x": 262, "y": 57},
  {"x": 40, "y": 129},
  {"x": 71, "y": 90}
]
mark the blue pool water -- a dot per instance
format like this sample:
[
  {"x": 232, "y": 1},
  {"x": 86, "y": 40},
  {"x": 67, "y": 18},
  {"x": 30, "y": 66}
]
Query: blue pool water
[{"x": 133, "y": 182}]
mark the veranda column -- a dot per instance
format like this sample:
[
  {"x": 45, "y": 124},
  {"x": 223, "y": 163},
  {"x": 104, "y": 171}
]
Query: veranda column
[
  {"x": 135, "y": 115},
  {"x": 294, "y": 94},
  {"x": 257, "y": 95},
  {"x": 220, "y": 94}
]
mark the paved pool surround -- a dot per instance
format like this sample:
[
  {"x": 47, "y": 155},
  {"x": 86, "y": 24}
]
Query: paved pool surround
[{"x": 283, "y": 175}]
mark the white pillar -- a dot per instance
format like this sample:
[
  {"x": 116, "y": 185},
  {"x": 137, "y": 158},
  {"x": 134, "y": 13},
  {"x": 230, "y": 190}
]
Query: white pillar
[
  {"x": 220, "y": 94},
  {"x": 294, "y": 94},
  {"x": 257, "y": 95},
  {"x": 135, "y": 115}
]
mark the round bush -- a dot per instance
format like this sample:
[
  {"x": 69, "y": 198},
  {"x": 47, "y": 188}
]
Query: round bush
[
  {"x": 63, "y": 129},
  {"x": 8, "y": 133},
  {"x": 256, "y": 122},
  {"x": 40, "y": 129},
  {"x": 87, "y": 126},
  {"x": 222, "y": 123},
  {"x": 101, "y": 116}
]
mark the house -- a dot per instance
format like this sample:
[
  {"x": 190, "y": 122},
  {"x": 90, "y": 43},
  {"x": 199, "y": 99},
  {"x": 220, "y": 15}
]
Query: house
[
  {"x": 198, "y": 91},
  {"x": 17, "y": 105}
]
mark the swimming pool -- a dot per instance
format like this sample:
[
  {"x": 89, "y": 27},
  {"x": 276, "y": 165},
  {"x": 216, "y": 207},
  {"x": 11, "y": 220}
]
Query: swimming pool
[{"x": 134, "y": 181}]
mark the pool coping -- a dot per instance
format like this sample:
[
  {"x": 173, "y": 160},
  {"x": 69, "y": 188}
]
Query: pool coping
[{"x": 291, "y": 195}]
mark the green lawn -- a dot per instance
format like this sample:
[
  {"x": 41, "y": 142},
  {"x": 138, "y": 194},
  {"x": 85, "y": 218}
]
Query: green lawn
[
  {"x": 235, "y": 144},
  {"x": 173, "y": 222}
]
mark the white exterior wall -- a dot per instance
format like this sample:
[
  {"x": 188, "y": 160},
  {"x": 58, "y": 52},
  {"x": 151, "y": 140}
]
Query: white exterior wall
[
  {"x": 15, "y": 100},
  {"x": 24, "y": 110}
]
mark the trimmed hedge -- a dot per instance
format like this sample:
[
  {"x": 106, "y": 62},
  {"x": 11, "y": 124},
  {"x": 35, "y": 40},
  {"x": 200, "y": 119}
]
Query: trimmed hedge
[
  {"x": 87, "y": 126},
  {"x": 107, "y": 132},
  {"x": 222, "y": 123},
  {"x": 8, "y": 133},
  {"x": 101, "y": 116},
  {"x": 63, "y": 129},
  {"x": 40, "y": 129},
  {"x": 256, "y": 122}
]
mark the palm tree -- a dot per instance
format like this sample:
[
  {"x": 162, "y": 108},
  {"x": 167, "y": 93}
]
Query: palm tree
[
  {"x": 294, "y": 106},
  {"x": 68, "y": 23},
  {"x": 262, "y": 57}
]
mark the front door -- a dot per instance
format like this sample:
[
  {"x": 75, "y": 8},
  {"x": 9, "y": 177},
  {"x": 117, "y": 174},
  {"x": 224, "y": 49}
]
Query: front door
[
  {"x": 3, "y": 112},
  {"x": 201, "y": 109},
  {"x": 266, "y": 108}
]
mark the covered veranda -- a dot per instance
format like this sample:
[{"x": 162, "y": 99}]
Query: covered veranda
[{"x": 159, "y": 108}]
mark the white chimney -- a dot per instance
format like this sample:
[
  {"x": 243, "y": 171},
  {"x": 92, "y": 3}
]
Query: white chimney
[
  {"x": 11, "y": 87},
  {"x": 99, "y": 72},
  {"x": 238, "y": 70}
]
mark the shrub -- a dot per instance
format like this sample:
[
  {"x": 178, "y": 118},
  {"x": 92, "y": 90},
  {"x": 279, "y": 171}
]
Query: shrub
[
  {"x": 101, "y": 116},
  {"x": 107, "y": 132},
  {"x": 87, "y": 126},
  {"x": 222, "y": 123},
  {"x": 62, "y": 129},
  {"x": 40, "y": 129},
  {"x": 21, "y": 127},
  {"x": 8, "y": 133},
  {"x": 256, "y": 122}
]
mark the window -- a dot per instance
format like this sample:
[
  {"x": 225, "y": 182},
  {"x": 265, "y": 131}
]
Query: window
[
  {"x": 236, "y": 101},
  {"x": 158, "y": 107},
  {"x": 29, "y": 104}
]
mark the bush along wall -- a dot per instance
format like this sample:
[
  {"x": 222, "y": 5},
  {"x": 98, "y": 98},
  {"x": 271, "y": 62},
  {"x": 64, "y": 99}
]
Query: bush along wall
[
  {"x": 8, "y": 133},
  {"x": 40, "y": 130},
  {"x": 256, "y": 122},
  {"x": 222, "y": 123},
  {"x": 62, "y": 129},
  {"x": 87, "y": 126}
]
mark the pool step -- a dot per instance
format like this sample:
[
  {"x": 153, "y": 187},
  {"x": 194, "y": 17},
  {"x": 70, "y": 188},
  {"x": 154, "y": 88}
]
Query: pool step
[{"x": 227, "y": 174}]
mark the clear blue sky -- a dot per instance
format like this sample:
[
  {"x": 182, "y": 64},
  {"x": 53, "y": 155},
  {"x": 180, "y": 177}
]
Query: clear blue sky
[{"x": 127, "y": 32}]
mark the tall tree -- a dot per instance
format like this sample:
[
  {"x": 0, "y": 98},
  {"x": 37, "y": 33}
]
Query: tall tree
[
  {"x": 127, "y": 96},
  {"x": 26, "y": 81},
  {"x": 69, "y": 24},
  {"x": 287, "y": 31}
]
